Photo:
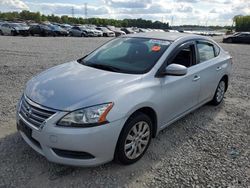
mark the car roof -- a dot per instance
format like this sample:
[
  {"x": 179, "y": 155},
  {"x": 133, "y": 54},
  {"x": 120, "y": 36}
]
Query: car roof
[
  {"x": 243, "y": 32},
  {"x": 170, "y": 36}
]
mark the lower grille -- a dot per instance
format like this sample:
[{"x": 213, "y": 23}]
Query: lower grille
[
  {"x": 23, "y": 32},
  {"x": 34, "y": 115},
  {"x": 73, "y": 154},
  {"x": 28, "y": 132}
]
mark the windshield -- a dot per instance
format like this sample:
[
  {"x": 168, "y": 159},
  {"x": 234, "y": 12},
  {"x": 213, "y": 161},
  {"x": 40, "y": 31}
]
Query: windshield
[
  {"x": 45, "y": 27},
  {"x": 82, "y": 27},
  {"x": 23, "y": 25},
  {"x": 14, "y": 25},
  {"x": 127, "y": 55},
  {"x": 104, "y": 29}
]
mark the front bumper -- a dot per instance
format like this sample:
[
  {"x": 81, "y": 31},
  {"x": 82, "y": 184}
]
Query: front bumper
[
  {"x": 23, "y": 32},
  {"x": 111, "y": 34},
  {"x": 88, "y": 146}
]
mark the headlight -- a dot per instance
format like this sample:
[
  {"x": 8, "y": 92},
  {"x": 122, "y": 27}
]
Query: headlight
[{"x": 87, "y": 117}]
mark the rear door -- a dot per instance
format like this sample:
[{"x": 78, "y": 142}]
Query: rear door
[
  {"x": 211, "y": 68},
  {"x": 181, "y": 93},
  {"x": 76, "y": 31}
]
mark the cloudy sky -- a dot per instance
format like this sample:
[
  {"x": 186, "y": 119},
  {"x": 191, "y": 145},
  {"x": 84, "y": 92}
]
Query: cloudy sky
[{"x": 178, "y": 12}]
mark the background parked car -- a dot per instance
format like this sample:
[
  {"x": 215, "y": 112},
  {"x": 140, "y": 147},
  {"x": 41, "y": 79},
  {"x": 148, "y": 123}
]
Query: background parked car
[
  {"x": 106, "y": 32},
  {"x": 90, "y": 32},
  {"x": 97, "y": 33},
  {"x": 116, "y": 30},
  {"x": 78, "y": 31},
  {"x": 142, "y": 30},
  {"x": 40, "y": 29},
  {"x": 14, "y": 29},
  {"x": 67, "y": 27},
  {"x": 243, "y": 37},
  {"x": 58, "y": 31}
]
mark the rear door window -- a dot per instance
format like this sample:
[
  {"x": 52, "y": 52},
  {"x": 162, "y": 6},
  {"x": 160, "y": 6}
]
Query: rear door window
[{"x": 206, "y": 51}]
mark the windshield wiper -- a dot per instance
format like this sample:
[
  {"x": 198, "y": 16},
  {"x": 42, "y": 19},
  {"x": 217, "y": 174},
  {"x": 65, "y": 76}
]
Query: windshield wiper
[{"x": 104, "y": 67}]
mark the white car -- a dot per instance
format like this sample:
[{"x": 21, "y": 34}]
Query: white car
[{"x": 106, "y": 32}]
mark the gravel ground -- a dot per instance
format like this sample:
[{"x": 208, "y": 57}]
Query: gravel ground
[{"x": 208, "y": 148}]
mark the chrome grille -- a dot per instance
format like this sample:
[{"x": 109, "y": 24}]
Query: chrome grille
[{"x": 34, "y": 115}]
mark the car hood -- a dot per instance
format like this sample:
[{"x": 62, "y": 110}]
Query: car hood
[
  {"x": 21, "y": 28},
  {"x": 72, "y": 86}
]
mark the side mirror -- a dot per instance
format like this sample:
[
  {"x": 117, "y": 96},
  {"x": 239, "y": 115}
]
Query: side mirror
[{"x": 175, "y": 70}]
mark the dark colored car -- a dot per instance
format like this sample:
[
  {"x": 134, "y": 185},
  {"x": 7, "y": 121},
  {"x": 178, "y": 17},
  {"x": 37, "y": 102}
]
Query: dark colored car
[
  {"x": 243, "y": 37},
  {"x": 128, "y": 30},
  {"x": 40, "y": 29},
  {"x": 58, "y": 31}
]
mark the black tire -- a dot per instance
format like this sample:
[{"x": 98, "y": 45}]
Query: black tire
[
  {"x": 229, "y": 40},
  {"x": 82, "y": 35},
  {"x": 13, "y": 33},
  {"x": 1, "y": 33},
  {"x": 219, "y": 93},
  {"x": 132, "y": 122}
]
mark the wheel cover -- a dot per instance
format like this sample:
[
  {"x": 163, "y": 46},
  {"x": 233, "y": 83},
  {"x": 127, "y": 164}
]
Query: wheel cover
[
  {"x": 137, "y": 140},
  {"x": 220, "y": 91}
]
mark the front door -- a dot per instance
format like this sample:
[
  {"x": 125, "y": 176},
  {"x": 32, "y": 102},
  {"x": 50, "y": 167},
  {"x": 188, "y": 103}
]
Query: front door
[{"x": 181, "y": 93}]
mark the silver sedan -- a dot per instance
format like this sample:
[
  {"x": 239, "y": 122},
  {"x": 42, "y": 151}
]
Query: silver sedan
[{"x": 110, "y": 103}]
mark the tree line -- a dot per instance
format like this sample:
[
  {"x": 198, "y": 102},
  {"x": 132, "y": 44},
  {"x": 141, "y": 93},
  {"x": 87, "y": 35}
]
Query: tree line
[
  {"x": 38, "y": 17},
  {"x": 242, "y": 23}
]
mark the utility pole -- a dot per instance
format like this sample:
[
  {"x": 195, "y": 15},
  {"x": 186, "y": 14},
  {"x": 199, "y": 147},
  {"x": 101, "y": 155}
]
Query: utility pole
[
  {"x": 86, "y": 10},
  {"x": 73, "y": 12},
  {"x": 172, "y": 21}
]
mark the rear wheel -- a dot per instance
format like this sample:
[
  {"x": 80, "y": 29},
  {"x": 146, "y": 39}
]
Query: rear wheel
[
  {"x": 219, "y": 93},
  {"x": 1, "y": 33},
  {"x": 134, "y": 139}
]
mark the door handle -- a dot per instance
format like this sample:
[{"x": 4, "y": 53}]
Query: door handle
[
  {"x": 218, "y": 68},
  {"x": 196, "y": 78}
]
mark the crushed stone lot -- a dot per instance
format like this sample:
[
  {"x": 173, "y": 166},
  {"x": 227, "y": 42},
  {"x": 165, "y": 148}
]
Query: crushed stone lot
[{"x": 208, "y": 148}]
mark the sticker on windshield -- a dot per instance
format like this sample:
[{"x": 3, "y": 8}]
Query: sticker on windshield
[
  {"x": 156, "y": 48},
  {"x": 160, "y": 42}
]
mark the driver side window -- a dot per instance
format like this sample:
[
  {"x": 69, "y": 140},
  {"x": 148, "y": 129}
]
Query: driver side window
[{"x": 185, "y": 57}]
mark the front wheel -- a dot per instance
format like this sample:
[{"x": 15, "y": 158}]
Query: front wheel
[
  {"x": 219, "y": 93},
  {"x": 229, "y": 40},
  {"x": 13, "y": 33},
  {"x": 134, "y": 139}
]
